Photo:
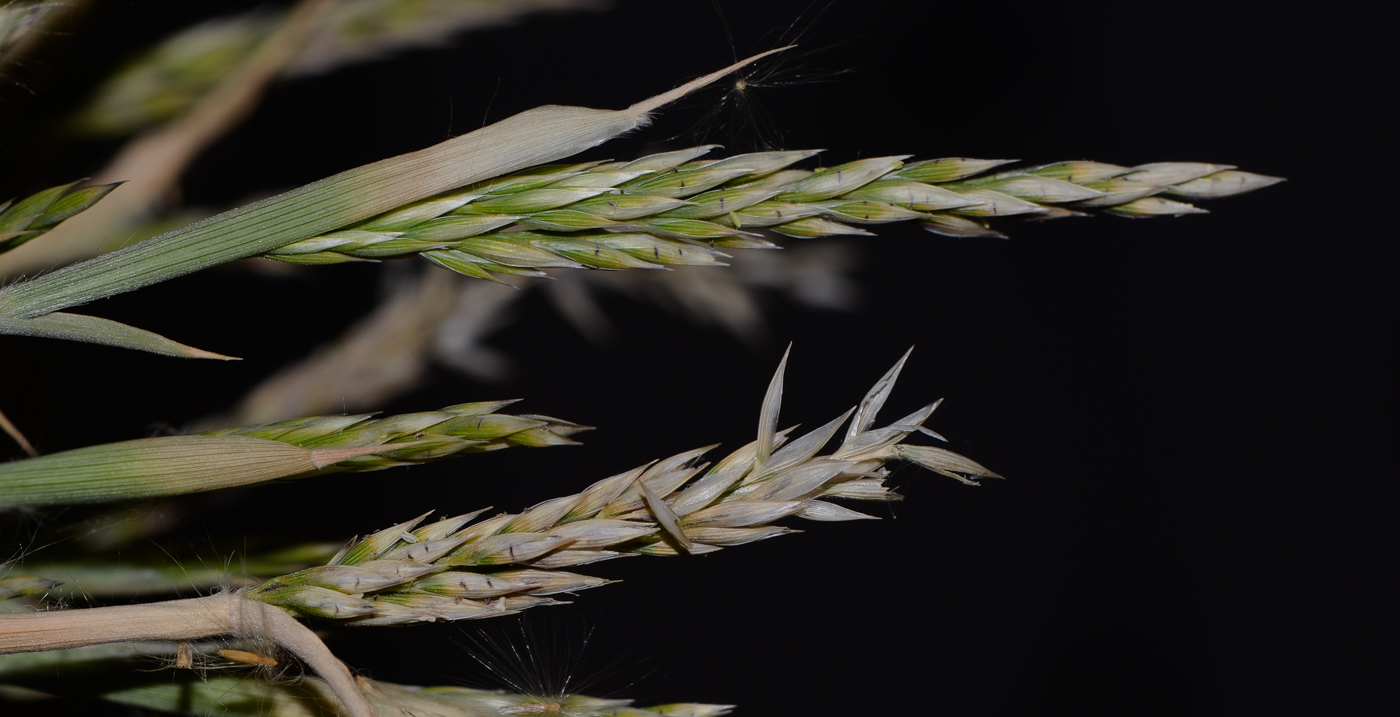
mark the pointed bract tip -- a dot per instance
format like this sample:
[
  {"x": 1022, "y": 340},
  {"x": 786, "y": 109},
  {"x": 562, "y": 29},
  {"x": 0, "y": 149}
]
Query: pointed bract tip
[
  {"x": 768, "y": 414},
  {"x": 932, "y": 434},
  {"x": 192, "y": 352},
  {"x": 665, "y": 98},
  {"x": 14, "y": 433}
]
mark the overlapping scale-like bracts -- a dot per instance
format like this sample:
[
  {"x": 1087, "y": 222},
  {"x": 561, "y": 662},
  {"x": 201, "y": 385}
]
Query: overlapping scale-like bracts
[
  {"x": 464, "y": 568},
  {"x": 411, "y": 438},
  {"x": 681, "y": 207},
  {"x": 28, "y": 218}
]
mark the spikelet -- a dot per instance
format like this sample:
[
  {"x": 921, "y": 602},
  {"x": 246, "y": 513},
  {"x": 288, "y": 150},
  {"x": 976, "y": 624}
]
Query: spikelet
[
  {"x": 454, "y": 569},
  {"x": 673, "y": 208},
  {"x": 175, "y": 465}
]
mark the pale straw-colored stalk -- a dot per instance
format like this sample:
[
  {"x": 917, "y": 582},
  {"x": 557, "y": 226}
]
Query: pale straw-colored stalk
[
  {"x": 11, "y": 430},
  {"x": 217, "y": 685},
  {"x": 175, "y": 465},
  {"x": 459, "y": 569},
  {"x": 182, "y": 620}
]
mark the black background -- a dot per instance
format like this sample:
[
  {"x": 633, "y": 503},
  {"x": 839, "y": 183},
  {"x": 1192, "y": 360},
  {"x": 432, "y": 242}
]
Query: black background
[{"x": 1192, "y": 413}]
